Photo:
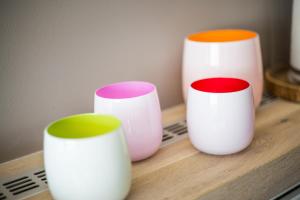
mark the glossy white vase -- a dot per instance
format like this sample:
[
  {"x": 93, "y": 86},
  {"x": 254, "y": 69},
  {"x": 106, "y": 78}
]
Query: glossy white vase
[
  {"x": 86, "y": 157},
  {"x": 223, "y": 53},
  {"x": 295, "y": 43},
  {"x": 220, "y": 115},
  {"x": 137, "y": 105}
]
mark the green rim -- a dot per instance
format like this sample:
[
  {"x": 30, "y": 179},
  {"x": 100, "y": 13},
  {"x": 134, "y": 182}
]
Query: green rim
[{"x": 83, "y": 126}]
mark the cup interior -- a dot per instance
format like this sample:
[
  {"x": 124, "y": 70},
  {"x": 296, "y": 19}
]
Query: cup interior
[
  {"x": 83, "y": 126},
  {"x": 225, "y": 35},
  {"x": 220, "y": 85},
  {"x": 124, "y": 90}
]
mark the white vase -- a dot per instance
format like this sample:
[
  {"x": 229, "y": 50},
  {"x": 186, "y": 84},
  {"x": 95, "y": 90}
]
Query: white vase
[
  {"x": 136, "y": 104},
  {"x": 223, "y": 53},
  {"x": 86, "y": 157},
  {"x": 294, "y": 74},
  {"x": 220, "y": 115}
]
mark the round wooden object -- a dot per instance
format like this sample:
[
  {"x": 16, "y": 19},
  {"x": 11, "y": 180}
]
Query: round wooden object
[{"x": 277, "y": 82}]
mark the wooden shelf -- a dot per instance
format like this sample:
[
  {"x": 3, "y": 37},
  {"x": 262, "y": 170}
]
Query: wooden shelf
[{"x": 178, "y": 171}]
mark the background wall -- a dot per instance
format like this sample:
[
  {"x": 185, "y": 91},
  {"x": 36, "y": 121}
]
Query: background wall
[{"x": 54, "y": 54}]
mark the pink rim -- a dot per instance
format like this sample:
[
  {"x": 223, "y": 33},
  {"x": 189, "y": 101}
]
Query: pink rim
[{"x": 123, "y": 90}]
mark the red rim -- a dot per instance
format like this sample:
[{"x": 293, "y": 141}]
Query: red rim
[{"x": 220, "y": 85}]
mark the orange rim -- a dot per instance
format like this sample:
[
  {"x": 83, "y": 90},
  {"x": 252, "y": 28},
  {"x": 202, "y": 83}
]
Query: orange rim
[{"x": 227, "y": 35}]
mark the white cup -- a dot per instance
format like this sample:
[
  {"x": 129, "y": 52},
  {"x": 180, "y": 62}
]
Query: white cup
[
  {"x": 86, "y": 157},
  {"x": 223, "y": 53},
  {"x": 136, "y": 103},
  {"x": 220, "y": 115}
]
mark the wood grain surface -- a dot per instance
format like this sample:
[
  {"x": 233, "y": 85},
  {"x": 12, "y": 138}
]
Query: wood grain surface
[{"x": 178, "y": 171}]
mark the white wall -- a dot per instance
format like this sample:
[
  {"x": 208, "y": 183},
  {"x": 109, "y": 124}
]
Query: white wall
[{"x": 54, "y": 54}]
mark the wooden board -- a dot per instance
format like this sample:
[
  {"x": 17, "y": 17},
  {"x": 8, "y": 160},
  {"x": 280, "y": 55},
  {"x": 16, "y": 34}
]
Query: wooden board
[
  {"x": 178, "y": 171},
  {"x": 277, "y": 82}
]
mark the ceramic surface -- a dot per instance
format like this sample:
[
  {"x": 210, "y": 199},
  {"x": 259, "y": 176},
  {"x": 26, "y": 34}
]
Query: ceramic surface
[
  {"x": 136, "y": 103},
  {"x": 220, "y": 116},
  {"x": 223, "y": 53},
  {"x": 295, "y": 36},
  {"x": 95, "y": 166}
]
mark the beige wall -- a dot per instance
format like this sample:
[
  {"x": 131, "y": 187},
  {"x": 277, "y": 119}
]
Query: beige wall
[{"x": 54, "y": 54}]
